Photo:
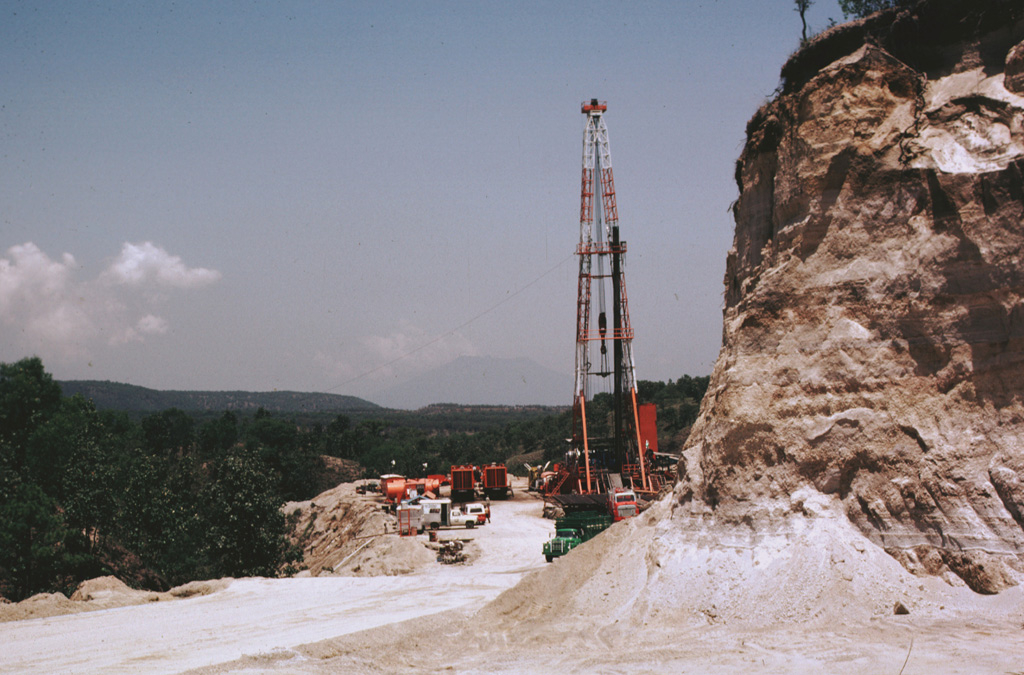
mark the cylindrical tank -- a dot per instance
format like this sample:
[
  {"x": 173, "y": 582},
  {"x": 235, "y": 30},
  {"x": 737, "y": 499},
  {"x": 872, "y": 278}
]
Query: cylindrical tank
[
  {"x": 394, "y": 489},
  {"x": 431, "y": 484}
]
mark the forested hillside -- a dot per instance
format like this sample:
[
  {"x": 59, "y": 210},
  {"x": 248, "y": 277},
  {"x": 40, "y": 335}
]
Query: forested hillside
[
  {"x": 170, "y": 496},
  {"x": 130, "y": 398}
]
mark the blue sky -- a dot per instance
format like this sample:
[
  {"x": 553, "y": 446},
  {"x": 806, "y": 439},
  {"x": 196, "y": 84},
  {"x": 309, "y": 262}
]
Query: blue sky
[{"x": 295, "y": 195}]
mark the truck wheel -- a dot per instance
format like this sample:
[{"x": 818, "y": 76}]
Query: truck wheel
[
  {"x": 469, "y": 525},
  {"x": 434, "y": 526},
  {"x": 548, "y": 558}
]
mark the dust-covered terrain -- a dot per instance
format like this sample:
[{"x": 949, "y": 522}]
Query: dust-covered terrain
[{"x": 802, "y": 593}]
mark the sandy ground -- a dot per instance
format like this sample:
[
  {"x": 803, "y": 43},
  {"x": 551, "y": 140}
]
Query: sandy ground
[
  {"x": 794, "y": 590},
  {"x": 270, "y": 616}
]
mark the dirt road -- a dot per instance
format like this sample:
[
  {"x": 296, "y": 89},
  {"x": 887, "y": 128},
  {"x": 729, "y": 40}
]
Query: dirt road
[{"x": 269, "y": 616}]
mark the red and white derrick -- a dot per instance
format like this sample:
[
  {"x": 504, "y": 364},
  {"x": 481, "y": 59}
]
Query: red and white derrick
[{"x": 594, "y": 464}]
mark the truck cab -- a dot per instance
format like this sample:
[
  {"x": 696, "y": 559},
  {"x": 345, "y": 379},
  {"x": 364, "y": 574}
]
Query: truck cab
[
  {"x": 622, "y": 504},
  {"x": 565, "y": 540},
  {"x": 573, "y": 530}
]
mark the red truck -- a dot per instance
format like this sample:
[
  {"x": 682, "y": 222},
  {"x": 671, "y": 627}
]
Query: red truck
[
  {"x": 622, "y": 504},
  {"x": 463, "y": 480},
  {"x": 495, "y": 482}
]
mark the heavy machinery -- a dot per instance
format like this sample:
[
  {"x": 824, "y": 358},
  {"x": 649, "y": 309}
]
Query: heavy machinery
[
  {"x": 495, "y": 484},
  {"x": 622, "y": 504},
  {"x": 464, "y": 480},
  {"x": 573, "y": 530},
  {"x": 615, "y": 450},
  {"x": 534, "y": 476},
  {"x": 395, "y": 488}
]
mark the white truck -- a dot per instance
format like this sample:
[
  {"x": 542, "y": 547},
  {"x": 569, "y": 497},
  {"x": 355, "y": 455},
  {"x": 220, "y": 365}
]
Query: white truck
[{"x": 438, "y": 513}]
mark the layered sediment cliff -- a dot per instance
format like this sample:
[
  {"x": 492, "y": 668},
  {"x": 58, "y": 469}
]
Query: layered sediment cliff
[{"x": 873, "y": 338}]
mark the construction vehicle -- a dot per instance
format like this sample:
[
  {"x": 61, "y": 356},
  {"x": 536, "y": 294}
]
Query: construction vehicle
[
  {"x": 534, "y": 476},
  {"x": 495, "y": 483},
  {"x": 392, "y": 488},
  {"x": 396, "y": 488},
  {"x": 438, "y": 513},
  {"x": 463, "y": 480},
  {"x": 573, "y": 530},
  {"x": 622, "y": 504}
]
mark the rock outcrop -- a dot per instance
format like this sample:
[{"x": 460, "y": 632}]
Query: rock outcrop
[{"x": 873, "y": 339}]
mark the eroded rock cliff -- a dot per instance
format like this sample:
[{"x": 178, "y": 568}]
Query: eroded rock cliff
[{"x": 873, "y": 339}]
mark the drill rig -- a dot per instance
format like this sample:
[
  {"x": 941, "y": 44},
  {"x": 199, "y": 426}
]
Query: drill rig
[{"x": 617, "y": 450}]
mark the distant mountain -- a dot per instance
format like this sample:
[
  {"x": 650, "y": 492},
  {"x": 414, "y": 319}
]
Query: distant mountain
[
  {"x": 130, "y": 398},
  {"x": 482, "y": 380}
]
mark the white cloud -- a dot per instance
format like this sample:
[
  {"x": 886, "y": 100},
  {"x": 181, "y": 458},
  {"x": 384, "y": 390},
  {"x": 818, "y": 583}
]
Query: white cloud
[
  {"x": 147, "y": 325},
  {"x": 45, "y": 310},
  {"x": 141, "y": 263},
  {"x": 39, "y": 299},
  {"x": 152, "y": 325}
]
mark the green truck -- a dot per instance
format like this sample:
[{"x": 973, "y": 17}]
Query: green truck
[{"x": 573, "y": 530}]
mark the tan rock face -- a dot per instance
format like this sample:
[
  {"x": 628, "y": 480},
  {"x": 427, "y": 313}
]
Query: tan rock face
[{"x": 873, "y": 339}]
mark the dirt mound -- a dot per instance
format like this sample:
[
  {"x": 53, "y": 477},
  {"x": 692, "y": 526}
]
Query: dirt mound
[
  {"x": 387, "y": 555},
  {"x": 101, "y": 593},
  {"x": 196, "y": 588},
  {"x": 343, "y": 532},
  {"x": 104, "y": 589},
  {"x": 797, "y": 561}
]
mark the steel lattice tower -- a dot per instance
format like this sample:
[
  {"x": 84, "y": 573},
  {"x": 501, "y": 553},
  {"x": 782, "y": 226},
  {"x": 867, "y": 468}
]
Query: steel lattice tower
[{"x": 593, "y": 462}]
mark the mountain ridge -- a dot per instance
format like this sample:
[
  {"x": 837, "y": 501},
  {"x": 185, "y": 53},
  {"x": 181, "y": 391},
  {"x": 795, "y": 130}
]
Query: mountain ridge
[{"x": 109, "y": 395}]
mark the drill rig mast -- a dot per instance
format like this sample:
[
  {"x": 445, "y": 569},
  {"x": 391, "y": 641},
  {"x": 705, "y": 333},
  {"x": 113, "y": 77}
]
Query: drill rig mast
[{"x": 620, "y": 456}]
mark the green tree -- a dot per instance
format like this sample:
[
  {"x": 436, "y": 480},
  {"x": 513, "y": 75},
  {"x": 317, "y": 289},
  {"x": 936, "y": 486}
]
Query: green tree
[
  {"x": 286, "y": 452},
  {"x": 338, "y": 438},
  {"x": 34, "y": 551},
  {"x": 218, "y": 436},
  {"x": 28, "y": 397},
  {"x": 244, "y": 523},
  {"x": 72, "y": 458},
  {"x": 169, "y": 432}
]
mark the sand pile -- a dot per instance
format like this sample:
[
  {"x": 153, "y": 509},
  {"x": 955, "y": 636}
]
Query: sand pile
[
  {"x": 343, "y": 532},
  {"x": 110, "y": 591},
  {"x": 101, "y": 593},
  {"x": 800, "y": 561},
  {"x": 795, "y": 587}
]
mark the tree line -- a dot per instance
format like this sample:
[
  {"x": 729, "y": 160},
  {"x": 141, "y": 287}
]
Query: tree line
[{"x": 169, "y": 497}]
